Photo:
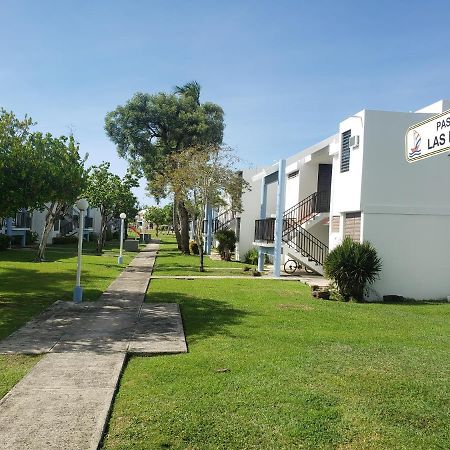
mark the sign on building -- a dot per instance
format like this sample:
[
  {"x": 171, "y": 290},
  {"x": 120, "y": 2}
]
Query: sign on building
[{"x": 428, "y": 138}]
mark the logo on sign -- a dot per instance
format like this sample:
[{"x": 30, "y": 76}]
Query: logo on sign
[{"x": 416, "y": 151}]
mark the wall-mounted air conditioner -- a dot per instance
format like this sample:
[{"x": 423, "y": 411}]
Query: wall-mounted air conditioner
[{"x": 354, "y": 142}]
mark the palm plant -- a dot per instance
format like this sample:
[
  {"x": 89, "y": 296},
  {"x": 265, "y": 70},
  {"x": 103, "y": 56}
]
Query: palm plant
[{"x": 352, "y": 266}]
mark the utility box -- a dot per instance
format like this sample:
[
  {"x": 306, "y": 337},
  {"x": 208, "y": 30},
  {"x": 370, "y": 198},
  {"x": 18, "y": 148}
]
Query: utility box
[{"x": 131, "y": 245}]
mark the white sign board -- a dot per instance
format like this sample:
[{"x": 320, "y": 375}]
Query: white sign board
[{"x": 428, "y": 138}]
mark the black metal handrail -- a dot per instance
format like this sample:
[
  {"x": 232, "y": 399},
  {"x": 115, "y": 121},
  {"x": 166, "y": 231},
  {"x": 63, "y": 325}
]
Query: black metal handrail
[
  {"x": 65, "y": 227},
  {"x": 265, "y": 230},
  {"x": 306, "y": 244},
  {"x": 22, "y": 219},
  {"x": 221, "y": 222},
  {"x": 307, "y": 209}
]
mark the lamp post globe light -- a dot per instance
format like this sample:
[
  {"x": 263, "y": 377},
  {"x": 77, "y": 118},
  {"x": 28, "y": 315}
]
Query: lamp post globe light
[
  {"x": 122, "y": 216},
  {"x": 82, "y": 204}
]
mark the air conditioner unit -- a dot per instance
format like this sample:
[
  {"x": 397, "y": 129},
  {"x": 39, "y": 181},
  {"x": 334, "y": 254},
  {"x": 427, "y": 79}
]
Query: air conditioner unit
[{"x": 354, "y": 141}]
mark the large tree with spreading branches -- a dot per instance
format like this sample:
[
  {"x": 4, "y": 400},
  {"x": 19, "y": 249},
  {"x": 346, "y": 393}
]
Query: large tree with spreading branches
[
  {"x": 204, "y": 175},
  {"x": 148, "y": 129}
]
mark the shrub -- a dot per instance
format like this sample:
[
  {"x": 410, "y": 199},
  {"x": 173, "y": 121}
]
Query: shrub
[
  {"x": 31, "y": 237},
  {"x": 193, "y": 248},
  {"x": 93, "y": 237},
  {"x": 227, "y": 243},
  {"x": 352, "y": 266},
  {"x": 4, "y": 242},
  {"x": 108, "y": 235},
  {"x": 62, "y": 240},
  {"x": 16, "y": 240},
  {"x": 251, "y": 257}
]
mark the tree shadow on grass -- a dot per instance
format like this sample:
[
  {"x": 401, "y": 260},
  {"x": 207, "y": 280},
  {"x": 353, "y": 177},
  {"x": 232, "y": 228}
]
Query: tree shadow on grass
[
  {"x": 27, "y": 292},
  {"x": 202, "y": 317}
]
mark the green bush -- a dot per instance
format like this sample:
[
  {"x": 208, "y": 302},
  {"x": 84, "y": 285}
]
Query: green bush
[
  {"x": 16, "y": 240},
  {"x": 31, "y": 237},
  {"x": 93, "y": 237},
  {"x": 4, "y": 242},
  {"x": 193, "y": 248},
  {"x": 352, "y": 266},
  {"x": 61, "y": 240},
  {"x": 251, "y": 257},
  {"x": 227, "y": 243},
  {"x": 109, "y": 235}
]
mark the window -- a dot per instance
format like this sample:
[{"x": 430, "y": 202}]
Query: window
[
  {"x": 335, "y": 224},
  {"x": 345, "y": 151},
  {"x": 293, "y": 174},
  {"x": 352, "y": 226}
]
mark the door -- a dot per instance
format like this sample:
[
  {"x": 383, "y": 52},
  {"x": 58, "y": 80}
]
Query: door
[{"x": 324, "y": 187}]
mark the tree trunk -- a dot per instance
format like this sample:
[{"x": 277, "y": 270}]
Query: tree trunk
[
  {"x": 175, "y": 223},
  {"x": 198, "y": 224},
  {"x": 184, "y": 228},
  {"x": 101, "y": 236},
  {"x": 48, "y": 225},
  {"x": 157, "y": 230},
  {"x": 202, "y": 267}
]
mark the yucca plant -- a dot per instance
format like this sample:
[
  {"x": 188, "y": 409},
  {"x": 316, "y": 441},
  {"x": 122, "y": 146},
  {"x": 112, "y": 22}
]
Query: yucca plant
[{"x": 352, "y": 266}]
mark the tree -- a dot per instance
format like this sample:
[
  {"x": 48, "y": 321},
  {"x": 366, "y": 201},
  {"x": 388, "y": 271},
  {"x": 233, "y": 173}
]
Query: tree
[
  {"x": 111, "y": 195},
  {"x": 63, "y": 175},
  {"x": 21, "y": 175},
  {"x": 159, "y": 216},
  {"x": 204, "y": 175},
  {"x": 150, "y": 128}
]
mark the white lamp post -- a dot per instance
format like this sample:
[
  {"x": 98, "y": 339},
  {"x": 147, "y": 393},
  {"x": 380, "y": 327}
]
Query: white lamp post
[
  {"x": 82, "y": 204},
  {"x": 122, "y": 216}
]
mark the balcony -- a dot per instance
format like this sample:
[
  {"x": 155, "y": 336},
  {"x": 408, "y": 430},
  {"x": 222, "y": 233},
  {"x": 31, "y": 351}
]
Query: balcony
[
  {"x": 265, "y": 230},
  {"x": 88, "y": 222},
  {"x": 22, "y": 220}
]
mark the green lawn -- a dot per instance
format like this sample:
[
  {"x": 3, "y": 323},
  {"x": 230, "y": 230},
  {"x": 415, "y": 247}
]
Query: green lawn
[
  {"x": 171, "y": 263},
  {"x": 270, "y": 368},
  {"x": 27, "y": 288}
]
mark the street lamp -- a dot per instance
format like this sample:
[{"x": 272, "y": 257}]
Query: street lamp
[
  {"x": 122, "y": 216},
  {"x": 82, "y": 204}
]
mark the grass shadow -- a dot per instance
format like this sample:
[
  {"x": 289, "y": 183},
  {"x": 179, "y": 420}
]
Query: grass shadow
[{"x": 202, "y": 317}]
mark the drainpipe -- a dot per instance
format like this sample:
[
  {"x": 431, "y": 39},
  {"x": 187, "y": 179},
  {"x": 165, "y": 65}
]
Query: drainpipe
[
  {"x": 281, "y": 191},
  {"x": 262, "y": 215}
]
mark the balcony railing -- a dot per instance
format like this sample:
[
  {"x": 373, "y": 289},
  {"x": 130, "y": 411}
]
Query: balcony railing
[
  {"x": 265, "y": 230},
  {"x": 22, "y": 220},
  {"x": 88, "y": 222}
]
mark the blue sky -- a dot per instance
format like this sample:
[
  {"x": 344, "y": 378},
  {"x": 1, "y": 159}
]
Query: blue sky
[{"x": 285, "y": 72}]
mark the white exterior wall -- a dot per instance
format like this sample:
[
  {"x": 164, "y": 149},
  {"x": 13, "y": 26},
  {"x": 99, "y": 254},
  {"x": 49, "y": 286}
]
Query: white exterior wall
[
  {"x": 415, "y": 254},
  {"x": 406, "y": 209},
  {"x": 38, "y": 222},
  {"x": 346, "y": 186},
  {"x": 250, "y": 207}
]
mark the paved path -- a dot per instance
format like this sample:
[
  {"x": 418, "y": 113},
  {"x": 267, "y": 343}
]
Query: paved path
[
  {"x": 309, "y": 279},
  {"x": 64, "y": 401}
]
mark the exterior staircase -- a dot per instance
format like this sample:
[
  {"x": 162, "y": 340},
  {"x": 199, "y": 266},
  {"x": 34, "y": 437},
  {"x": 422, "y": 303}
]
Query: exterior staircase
[{"x": 298, "y": 243}]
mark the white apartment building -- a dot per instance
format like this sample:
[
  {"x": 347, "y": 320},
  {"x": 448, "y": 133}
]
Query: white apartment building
[{"x": 357, "y": 182}]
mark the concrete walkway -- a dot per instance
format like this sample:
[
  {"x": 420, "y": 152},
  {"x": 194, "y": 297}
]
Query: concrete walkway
[{"x": 64, "y": 401}]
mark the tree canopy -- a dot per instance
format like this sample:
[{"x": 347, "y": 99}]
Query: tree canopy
[
  {"x": 111, "y": 194},
  {"x": 150, "y": 128},
  {"x": 62, "y": 170},
  {"x": 21, "y": 174}
]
